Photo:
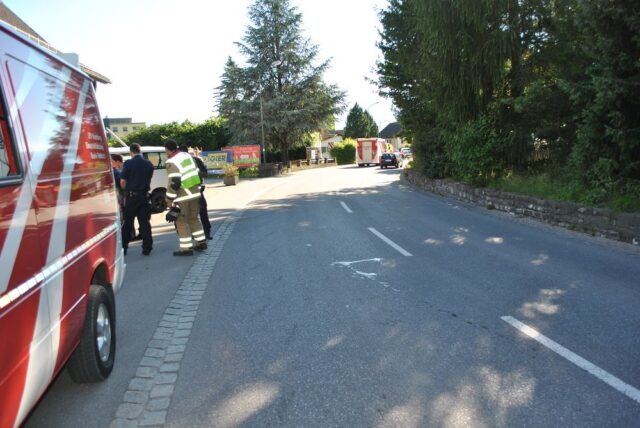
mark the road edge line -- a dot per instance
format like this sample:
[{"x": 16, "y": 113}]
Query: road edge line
[{"x": 574, "y": 358}]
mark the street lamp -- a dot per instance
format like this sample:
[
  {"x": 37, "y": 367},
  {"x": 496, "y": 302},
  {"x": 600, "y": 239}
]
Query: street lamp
[{"x": 274, "y": 64}]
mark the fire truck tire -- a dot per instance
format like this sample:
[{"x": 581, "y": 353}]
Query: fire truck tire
[{"x": 93, "y": 359}]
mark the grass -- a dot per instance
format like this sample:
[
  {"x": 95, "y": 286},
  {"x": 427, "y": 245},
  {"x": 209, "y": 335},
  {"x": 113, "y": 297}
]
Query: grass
[{"x": 547, "y": 187}]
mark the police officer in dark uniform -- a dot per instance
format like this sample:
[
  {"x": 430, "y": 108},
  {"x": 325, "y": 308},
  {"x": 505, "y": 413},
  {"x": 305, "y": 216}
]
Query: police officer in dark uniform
[{"x": 135, "y": 180}]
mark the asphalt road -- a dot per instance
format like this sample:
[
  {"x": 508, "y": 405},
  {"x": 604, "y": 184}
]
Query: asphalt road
[{"x": 343, "y": 297}]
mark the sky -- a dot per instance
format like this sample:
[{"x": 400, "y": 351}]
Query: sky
[{"x": 165, "y": 57}]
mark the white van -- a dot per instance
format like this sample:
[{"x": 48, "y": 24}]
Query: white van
[{"x": 158, "y": 158}]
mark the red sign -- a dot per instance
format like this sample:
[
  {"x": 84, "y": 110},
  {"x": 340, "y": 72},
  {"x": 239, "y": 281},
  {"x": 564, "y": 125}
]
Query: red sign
[{"x": 245, "y": 156}]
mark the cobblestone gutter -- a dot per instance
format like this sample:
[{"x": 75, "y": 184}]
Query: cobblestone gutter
[{"x": 594, "y": 221}]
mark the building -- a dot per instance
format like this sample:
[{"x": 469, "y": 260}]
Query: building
[
  {"x": 123, "y": 126},
  {"x": 393, "y": 134},
  {"x": 329, "y": 139}
]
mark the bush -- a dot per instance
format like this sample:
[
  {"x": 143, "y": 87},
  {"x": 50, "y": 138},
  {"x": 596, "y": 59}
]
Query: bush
[
  {"x": 429, "y": 156},
  {"x": 230, "y": 170},
  {"x": 477, "y": 152},
  {"x": 345, "y": 152},
  {"x": 249, "y": 172}
]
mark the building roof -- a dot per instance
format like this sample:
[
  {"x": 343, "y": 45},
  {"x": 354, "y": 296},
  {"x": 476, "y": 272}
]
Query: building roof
[
  {"x": 14, "y": 21},
  {"x": 391, "y": 130},
  {"x": 119, "y": 120}
]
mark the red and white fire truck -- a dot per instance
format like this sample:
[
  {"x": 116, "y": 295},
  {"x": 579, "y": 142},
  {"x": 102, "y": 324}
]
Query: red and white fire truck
[
  {"x": 369, "y": 151},
  {"x": 61, "y": 261}
]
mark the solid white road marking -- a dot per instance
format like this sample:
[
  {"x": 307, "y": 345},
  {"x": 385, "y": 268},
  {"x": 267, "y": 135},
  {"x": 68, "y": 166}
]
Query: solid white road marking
[
  {"x": 346, "y": 208},
  {"x": 395, "y": 246},
  {"x": 601, "y": 374}
]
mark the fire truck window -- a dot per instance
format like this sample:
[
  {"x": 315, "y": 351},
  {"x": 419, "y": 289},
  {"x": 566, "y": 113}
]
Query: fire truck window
[{"x": 8, "y": 163}]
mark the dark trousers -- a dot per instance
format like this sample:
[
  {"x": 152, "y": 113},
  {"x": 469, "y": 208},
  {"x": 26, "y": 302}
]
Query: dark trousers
[
  {"x": 204, "y": 215},
  {"x": 137, "y": 205}
]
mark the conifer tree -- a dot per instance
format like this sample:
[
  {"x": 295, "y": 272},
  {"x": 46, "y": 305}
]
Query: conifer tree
[
  {"x": 282, "y": 77},
  {"x": 360, "y": 124}
]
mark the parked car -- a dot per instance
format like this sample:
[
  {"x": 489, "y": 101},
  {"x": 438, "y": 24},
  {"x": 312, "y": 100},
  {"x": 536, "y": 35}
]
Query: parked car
[
  {"x": 406, "y": 151},
  {"x": 390, "y": 159},
  {"x": 61, "y": 257},
  {"x": 158, "y": 158}
]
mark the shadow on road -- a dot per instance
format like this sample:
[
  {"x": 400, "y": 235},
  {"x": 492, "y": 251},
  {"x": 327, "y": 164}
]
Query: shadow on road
[{"x": 432, "y": 353}]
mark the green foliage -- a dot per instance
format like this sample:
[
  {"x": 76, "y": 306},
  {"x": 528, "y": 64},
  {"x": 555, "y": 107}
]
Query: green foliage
[
  {"x": 230, "y": 170},
  {"x": 249, "y": 172},
  {"x": 281, "y": 89},
  {"x": 360, "y": 124},
  {"x": 345, "y": 152},
  {"x": 550, "y": 184},
  {"x": 310, "y": 139},
  {"x": 608, "y": 133},
  {"x": 476, "y": 152},
  {"x": 212, "y": 134},
  {"x": 484, "y": 87},
  {"x": 293, "y": 153}
]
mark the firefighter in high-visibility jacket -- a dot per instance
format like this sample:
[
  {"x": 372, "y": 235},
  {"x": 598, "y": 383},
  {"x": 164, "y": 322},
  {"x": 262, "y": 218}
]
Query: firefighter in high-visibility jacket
[{"x": 183, "y": 191}]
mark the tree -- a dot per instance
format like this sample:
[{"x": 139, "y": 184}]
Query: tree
[
  {"x": 453, "y": 68},
  {"x": 403, "y": 78},
  {"x": 607, "y": 151},
  {"x": 212, "y": 134},
  {"x": 281, "y": 79},
  {"x": 360, "y": 124}
]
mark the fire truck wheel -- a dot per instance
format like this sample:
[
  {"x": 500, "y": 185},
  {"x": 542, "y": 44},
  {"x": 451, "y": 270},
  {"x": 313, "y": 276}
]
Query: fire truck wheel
[{"x": 92, "y": 361}]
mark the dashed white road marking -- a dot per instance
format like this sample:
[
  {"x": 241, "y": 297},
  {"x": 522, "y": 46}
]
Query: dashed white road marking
[
  {"x": 601, "y": 374},
  {"x": 346, "y": 208},
  {"x": 392, "y": 244}
]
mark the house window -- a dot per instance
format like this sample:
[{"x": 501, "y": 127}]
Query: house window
[
  {"x": 135, "y": 128},
  {"x": 125, "y": 129},
  {"x": 115, "y": 129}
]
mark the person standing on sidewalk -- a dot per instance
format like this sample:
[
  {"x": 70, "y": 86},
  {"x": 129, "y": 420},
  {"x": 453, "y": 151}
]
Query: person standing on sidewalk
[
  {"x": 204, "y": 209},
  {"x": 183, "y": 190},
  {"x": 135, "y": 181},
  {"x": 116, "y": 167}
]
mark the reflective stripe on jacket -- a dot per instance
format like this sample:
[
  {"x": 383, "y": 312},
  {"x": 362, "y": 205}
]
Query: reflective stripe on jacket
[{"x": 182, "y": 166}]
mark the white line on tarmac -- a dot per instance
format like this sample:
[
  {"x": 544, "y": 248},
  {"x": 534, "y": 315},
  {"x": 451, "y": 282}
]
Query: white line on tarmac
[
  {"x": 395, "y": 246},
  {"x": 601, "y": 374},
  {"x": 346, "y": 208}
]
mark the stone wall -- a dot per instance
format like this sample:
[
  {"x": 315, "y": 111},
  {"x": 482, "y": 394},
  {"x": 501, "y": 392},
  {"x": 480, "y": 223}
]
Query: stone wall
[{"x": 583, "y": 218}]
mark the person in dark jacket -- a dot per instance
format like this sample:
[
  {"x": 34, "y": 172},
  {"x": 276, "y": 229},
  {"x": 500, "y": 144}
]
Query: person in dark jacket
[
  {"x": 135, "y": 180},
  {"x": 116, "y": 166},
  {"x": 204, "y": 210}
]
